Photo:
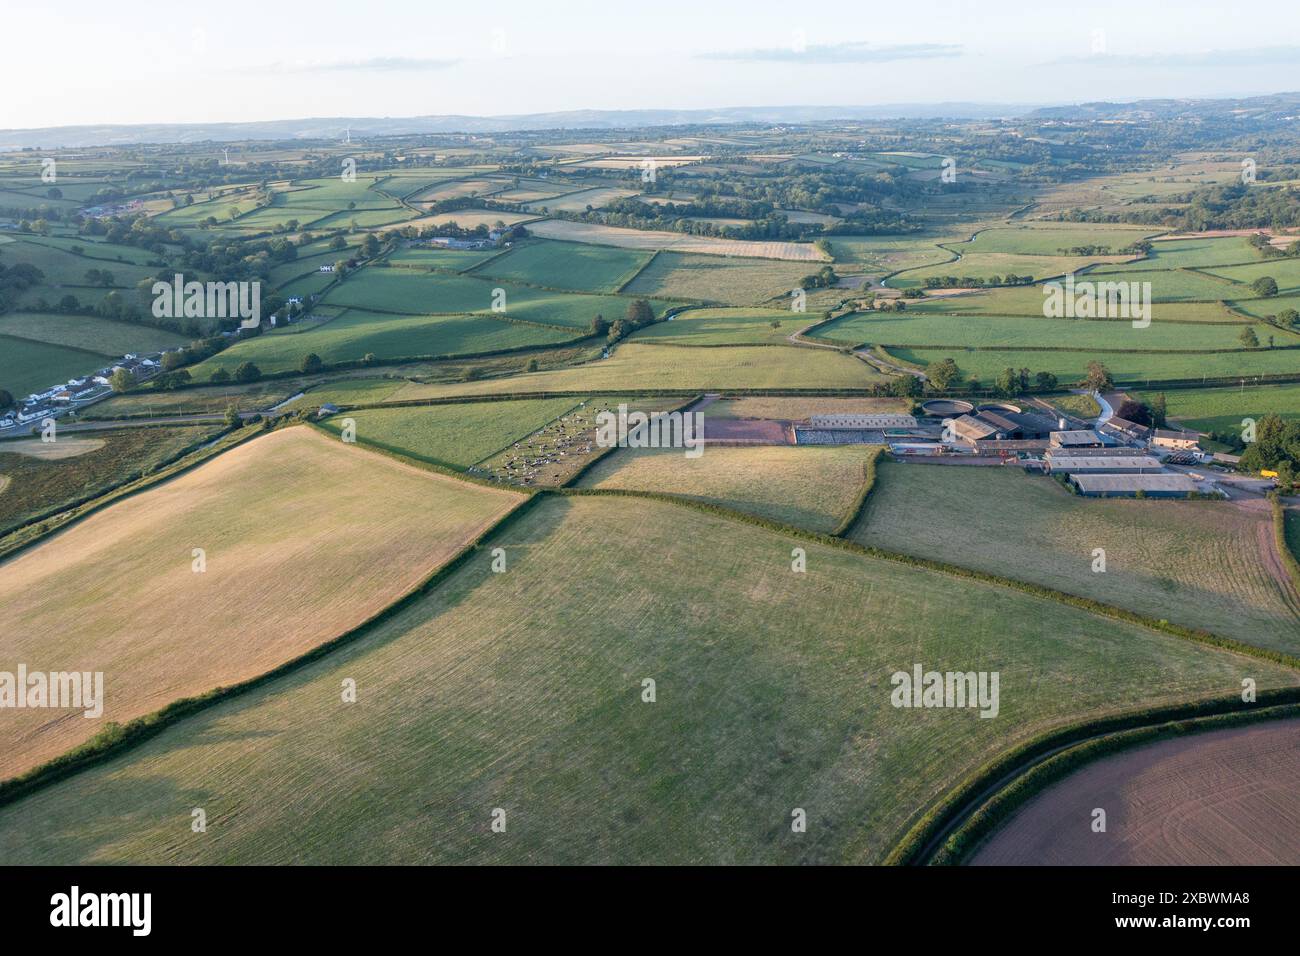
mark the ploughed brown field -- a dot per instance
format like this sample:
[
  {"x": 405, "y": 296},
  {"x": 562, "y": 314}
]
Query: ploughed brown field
[
  {"x": 1225, "y": 797},
  {"x": 304, "y": 538}
]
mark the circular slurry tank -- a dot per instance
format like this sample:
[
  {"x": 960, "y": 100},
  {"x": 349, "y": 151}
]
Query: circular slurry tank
[
  {"x": 946, "y": 407},
  {"x": 1000, "y": 407}
]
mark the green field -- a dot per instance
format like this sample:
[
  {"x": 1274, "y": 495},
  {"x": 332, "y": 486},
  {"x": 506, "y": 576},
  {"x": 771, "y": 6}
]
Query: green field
[
  {"x": 983, "y": 265},
  {"x": 727, "y": 327},
  {"x": 27, "y": 366},
  {"x": 417, "y": 293},
  {"x": 1262, "y": 308},
  {"x": 567, "y": 265},
  {"x": 1028, "y": 300},
  {"x": 1222, "y": 409},
  {"x": 718, "y": 279},
  {"x": 811, "y": 486},
  {"x": 1286, "y": 272},
  {"x": 87, "y": 332},
  {"x": 1034, "y": 239},
  {"x": 433, "y": 257},
  {"x": 1177, "y": 285},
  {"x": 37, "y": 485},
  {"x": 1131, "y": 367},
  {"x": 1180, "y": 253},
  {"x": 456, "y": 436},
  {"x": 354, "y": 334},
  {"x": 886, "y": 328},
  {"x": 522, "y": 691},
  {"x": 1195, "y": 563},
  {"x": 637, "y": 366}
]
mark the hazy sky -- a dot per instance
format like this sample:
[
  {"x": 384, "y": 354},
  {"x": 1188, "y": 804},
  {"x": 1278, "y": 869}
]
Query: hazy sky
[{"x": 133, "y": 61}]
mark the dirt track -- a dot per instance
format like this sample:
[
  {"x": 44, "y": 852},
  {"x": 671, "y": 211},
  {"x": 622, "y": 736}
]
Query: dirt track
[{"x": 1229, "y": 797}]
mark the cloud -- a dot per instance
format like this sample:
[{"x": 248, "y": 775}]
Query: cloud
[
  {"x": 1251, "y": 56},
  {"x": 375, "y": 64},
  {"x": 855, "y": 51}
]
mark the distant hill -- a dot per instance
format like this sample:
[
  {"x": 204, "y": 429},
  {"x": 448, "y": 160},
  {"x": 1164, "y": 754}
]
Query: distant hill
[{"x": 1270, "y": 108}]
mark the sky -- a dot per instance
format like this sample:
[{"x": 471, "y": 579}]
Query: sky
[{"x": 138, "y": 61}]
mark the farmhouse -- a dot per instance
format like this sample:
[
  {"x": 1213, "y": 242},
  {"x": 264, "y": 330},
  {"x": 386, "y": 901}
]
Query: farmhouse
[
  {"x": 1169, "y": 438},
  {"x": 1083, "y": 438},
  {"x": 1108, "y": 464},
  {"x": 1127, "y": 486}
]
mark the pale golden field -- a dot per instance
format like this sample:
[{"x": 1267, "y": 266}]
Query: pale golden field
[
  {"x": 305, "y": 537},
  {"x": 676, "y": 242}
]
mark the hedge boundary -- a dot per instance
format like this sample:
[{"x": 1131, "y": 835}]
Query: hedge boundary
[
  {"x": 1289, "y": 560},
  {"x": 860, "y": 502},
  {"x": 999, "y": 807}
]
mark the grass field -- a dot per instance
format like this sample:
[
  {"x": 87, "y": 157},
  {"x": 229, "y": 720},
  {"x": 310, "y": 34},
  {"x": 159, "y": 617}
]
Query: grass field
[
  {"x": 419, "y": 293},
  {"x": 453, "y": 435},
  {"x": 522, "y": 690},
  {"x": 1180, "y": 253},
  {"x": 811, "y": 487},
  {"x": 636, "y": 366},
  {"x": 87, "y": 332},
  {"x": 1131, "y": 367},
  {"x": 39, "y": 484},
  {"x": 296, "y": 553},
  {"x": 1037, "y": 239},
  {"x": 356, "y": 333},
  {"x": 432, "y": 257},
  {"x": 984, "y": 331},
  {"x": 716, "y": 279},
  {"x": 984, "y": 265},
  {"x": 647, "y": 239},
  {"x": 1222, "y": 409},
  {"x": 1192, "y": 562},
  {"x": 1285, "y": 272},
  {"x": 567, "y": 265},
  {"x": 1028, "y": 300},
  {"x": 27, "y": 366},
  {"x": 726, "y": 327},
  {"x": 1178, "y": 285}
]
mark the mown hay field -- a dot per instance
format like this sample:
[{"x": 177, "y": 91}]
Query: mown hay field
[
  {"x": 1201, "y": 564},
  {"x": 807, "y": 486},
  {"x": 522, "y": 691},
  {"x": 1029, "y": 300},
  {"x": 305, "y": 537}
]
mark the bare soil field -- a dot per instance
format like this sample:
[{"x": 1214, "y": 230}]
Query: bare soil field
[
  {"x": 1223, "y": 798},
  {"x": 677, "y": 242},
  {"x": 303, "y": 537},
  {"x": 749, "y": 431}
]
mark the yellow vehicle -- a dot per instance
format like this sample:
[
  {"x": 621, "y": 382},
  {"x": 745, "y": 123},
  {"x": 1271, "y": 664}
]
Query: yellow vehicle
[{"x": 1268, "y": 474}]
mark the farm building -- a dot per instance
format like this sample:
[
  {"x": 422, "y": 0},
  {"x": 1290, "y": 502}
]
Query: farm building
[
  {"x": 1106, "y": 451},
  {"x": 1169, "y": 438},
  {"x": 862, "y": 421},
  {"x": 1127, "y": 486},
  {"x": 1096, "y": 465},
  {"x": 1124, "y": 429},
  {"x": 990, "y": 425},
  {"x": 1082, "y": 438}
]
